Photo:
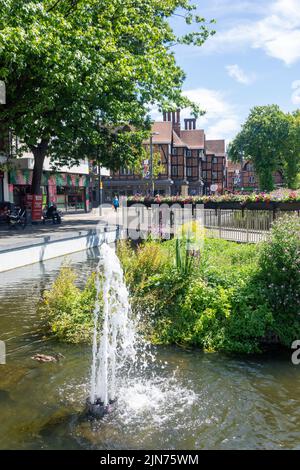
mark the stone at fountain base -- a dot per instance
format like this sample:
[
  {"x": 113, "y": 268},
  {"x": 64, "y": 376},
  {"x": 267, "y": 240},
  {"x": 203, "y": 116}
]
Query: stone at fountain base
[{"x": 98, "y": 409}]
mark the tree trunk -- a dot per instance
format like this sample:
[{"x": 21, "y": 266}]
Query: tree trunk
[{"x": 39, "y": 154}]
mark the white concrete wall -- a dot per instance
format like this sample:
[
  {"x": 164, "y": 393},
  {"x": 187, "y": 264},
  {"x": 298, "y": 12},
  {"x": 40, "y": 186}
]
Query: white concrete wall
[
  {"x": 27, "y": 162},
  {"x": 16, "y": 257}
]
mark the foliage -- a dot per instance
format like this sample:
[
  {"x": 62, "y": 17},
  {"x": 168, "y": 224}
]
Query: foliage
[
  {"x": 282, "y": 195},
  {"x": 144, "y": 261},
  {"x": 68, "y": 63},
  {"x": 184, "y": 262},
  {"x": 279, "y": 273},
  {"x": 233, "y": 300},
  {"x": 68, "y": 311},
  {"x": 291, "y": 163},
  {"x": 270, "y": 139},
  {"x": 157, "y": 165},
  {"x": 225, "y": 303}
]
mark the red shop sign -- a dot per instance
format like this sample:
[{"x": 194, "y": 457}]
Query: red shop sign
[{"x": 37, "y": 207}]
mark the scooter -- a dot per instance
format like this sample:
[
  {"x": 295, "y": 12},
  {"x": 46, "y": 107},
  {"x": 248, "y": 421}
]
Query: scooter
[{"x": 55, "y": 218}]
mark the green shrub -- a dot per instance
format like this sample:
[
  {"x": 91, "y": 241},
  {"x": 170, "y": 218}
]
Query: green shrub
[
  {"x": 219, "y": 305},
  {"x": 68, "y": 311},
  {"x": 215, "y": 318},
  {"x": 279, "y": 274},
  {"x": 143, "y": 261},
  {"x": 230, "y": 300}
]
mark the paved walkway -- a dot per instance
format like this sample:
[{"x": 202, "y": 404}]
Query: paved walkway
[
  {"x": 71, "y": 224},
  {"x": 76, "y": 223}
]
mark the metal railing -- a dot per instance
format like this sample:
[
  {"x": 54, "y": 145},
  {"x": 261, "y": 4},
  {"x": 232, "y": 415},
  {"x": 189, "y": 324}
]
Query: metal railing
[{"x": 243, "y": 226}]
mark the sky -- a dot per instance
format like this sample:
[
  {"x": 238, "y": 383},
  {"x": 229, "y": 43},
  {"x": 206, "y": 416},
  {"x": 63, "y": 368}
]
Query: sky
[{"x": 254, "y": 59}]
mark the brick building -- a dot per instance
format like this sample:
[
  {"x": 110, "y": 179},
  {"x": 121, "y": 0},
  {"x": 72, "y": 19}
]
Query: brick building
[
  {"x": 192, "y": 165},
  {"x": 243, "y": 177}
]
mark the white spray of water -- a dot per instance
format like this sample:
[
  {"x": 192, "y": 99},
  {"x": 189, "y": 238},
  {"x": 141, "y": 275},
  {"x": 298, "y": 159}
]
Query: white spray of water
[{"x": 114, "y": 333}]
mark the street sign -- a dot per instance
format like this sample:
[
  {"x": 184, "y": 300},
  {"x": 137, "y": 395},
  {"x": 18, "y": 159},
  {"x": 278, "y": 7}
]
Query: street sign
[{"x": 146, "y": 169}]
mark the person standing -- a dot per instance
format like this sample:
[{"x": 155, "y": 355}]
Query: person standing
[{"x": 116, "y": 203}]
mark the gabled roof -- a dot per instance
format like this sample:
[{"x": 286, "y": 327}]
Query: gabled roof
[
  {"x": 194, "y": 139},
  {"x": 215, "y": 147},
  {"x": 163, "y": 131},
  {"x": 177, "y": 142}
]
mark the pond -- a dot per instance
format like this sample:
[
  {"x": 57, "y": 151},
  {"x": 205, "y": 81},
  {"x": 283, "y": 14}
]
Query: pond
[{"x": 184, "y": 400}]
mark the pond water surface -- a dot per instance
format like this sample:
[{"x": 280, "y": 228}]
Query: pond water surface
[{"x": 184, "y": 400}]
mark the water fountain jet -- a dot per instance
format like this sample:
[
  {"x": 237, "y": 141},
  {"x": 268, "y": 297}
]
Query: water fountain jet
[{"x": 113, "y": 336}]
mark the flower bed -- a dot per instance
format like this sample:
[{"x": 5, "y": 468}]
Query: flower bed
[{"x": 282, "y": 199}]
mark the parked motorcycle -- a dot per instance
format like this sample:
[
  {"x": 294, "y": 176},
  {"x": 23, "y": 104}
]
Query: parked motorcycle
[{"x": 17, "y": 218}]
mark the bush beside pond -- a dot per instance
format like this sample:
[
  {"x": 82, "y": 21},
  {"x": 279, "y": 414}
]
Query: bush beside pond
[
  {"x": 67, "y": 310},
  {"x": 233, "y": 299}
]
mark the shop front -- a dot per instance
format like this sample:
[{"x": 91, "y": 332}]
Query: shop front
[{"x": 68, "y": 191}]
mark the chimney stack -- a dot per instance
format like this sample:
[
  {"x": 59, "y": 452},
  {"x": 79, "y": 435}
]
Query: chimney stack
[
  {"x": 190, "y": 124},
  {"x": 174, "y": 118},
  {"x": 176, "y": 121}
]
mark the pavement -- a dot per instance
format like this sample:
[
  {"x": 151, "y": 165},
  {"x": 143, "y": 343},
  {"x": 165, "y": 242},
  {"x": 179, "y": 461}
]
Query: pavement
[{"x": 72, "y": 224}]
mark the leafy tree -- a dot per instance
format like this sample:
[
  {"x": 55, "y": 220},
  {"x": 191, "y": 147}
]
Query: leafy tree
[
  {"x": 157, "y": 165},
  {"x": 68, "y": 62},
  {"x": 292, "y": 152},
  {"x": 263, "y": 140}
]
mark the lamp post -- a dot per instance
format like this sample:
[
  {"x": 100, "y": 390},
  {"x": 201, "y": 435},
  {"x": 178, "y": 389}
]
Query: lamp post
[
  {"x": 99, "y": 179},
  {"x": 151, "y": 161},
  {"x": 100, "y": 189}
]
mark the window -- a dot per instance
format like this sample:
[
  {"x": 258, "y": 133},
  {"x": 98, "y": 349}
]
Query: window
[
  {"x": 174, "y": 151},
  {"x": 174, "y": 171},
  {"x": 204, "y": 174},
  {"x": 189, "y": 171},
  {"x": 249, "y": 167},
  {"x": 188, "y": 153},
  {"x": 201, "y": 154},
  {"x": 214, "y": 175},
  {"x": 251, "y": 179},
  {"x": 214, "y": 160}
]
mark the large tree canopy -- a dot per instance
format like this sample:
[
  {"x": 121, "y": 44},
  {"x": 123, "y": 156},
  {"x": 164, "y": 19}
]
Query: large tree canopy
[
  {"x": 263, "y": 140},
  {"x": 69, "y": 64}
]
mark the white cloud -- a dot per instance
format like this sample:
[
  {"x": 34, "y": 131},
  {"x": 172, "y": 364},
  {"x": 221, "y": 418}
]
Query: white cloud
[
  {"x": 235, "y": 72},
  {"x": 296, "y": 93},
  {"x": 277, "y": 33},
  {"x": 221, "y": 120}
]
